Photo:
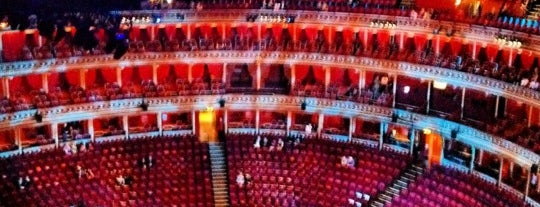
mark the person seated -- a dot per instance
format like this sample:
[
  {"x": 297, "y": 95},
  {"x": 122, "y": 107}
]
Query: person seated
[
  {"x": 151, "y": 162},
  {"x": 82, "y": 148},
  {"x": 350, "y": 162},
  {"x": 265, "y": 142},
  {"x": 120, "y": 180},
  {"x": 257, "y": 144},
  {"x": 89, "y": 174},
  {"x": 280, "y": 144},
  {"x": 67, "y": 149},
  {"x": 343, "y": 161},
  {"x": 240, "y": 179},
  {"x": 128, "y": 180}
]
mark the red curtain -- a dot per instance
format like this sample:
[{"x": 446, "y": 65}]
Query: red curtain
[
  {"x": 348, "y": 34},
  {"x": 420, "y": 41},
  {"x": 135, "y": 34},
  {"x": 12, "y": 43},
  {"x": 516, "y": 108},
  {"x": 302, "y": 70},
  {"x": 108, "y": 74},
  {"x": 334, "y": 122}
]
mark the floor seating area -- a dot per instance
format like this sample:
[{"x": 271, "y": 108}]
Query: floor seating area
[
  {"x": 441, "y": 186},
  {"x": 307, "y": 174},
  {"x": 179, "y": 175}
]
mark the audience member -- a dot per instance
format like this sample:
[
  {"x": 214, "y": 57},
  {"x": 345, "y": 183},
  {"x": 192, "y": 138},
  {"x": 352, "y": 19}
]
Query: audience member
[
  {"x": 240, "y": 179},
  {"x": 257, "y": 144},
  {"x": 280, "y": 144}
]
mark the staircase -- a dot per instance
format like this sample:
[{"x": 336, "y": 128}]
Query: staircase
[
  {"x": 219, "y": 174},
  {"x": 400, "y": 183}
]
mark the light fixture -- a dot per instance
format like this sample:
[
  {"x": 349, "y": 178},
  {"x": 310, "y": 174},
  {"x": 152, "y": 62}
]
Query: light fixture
[
  {"x": 439, "y": 85},
  {"x": 383, "y": 24},
  {"x": 507, "y": 41},
  {"x": 406, "y": 89},
  {"x": 426, "y": 131}
]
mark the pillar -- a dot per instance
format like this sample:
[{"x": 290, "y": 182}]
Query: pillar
[
  {"x": 463, "y": 90},
  {"x": 126, "y": 126},
  {"x": 258, "y": 74},
  {"x": 5, "y": 86},
  {"x": 82, "y": 78},
  {"x": 190, "y": 72},
  {"x": 18, "y": 134},
  {"x": 527, "y": 186},
  {"x": 352, "y": 127},
  {"x": 500, "y": 171},
  {"x": 293, "y": 76},
  {"x": 430, "y": 83},
  {"x": 160, "y": 122},
  {"x": 329, "y": 35},
  {"x": 361, "y": 80},
  {"x": 497, "y": 102},
  {"x": 511, "y": 168},
  {"x": 45, "y": 82},
  {"x": 91, "y": 129},
  {"x": 289, "y": 122},
  {"x": 326, "y": 77},
  {"x": 480, "y": 156},
  {"x": 320, "y": 125},
  {"x": 188, "y": 35},
  {"x": 223, "y": 32},
  {"x": 366, "y": 31},
  {"x": 474, "y": 50},
  {"x": 401, "y": 41},
  {"x": 259, "y": 31},
  {"x": 54, "y": 133},
  {"x": 119, "y": 75},
  {"x": 394, "y": 91},
  {"x": 152, "y": 33},
  {"x": 382, "y": 131},
  {"x": 224, "y": 74},
  {"x": 225, "y": 120},
  {"x": 529, "y": 116},
  {"x": 154, "y": 73},
  {"x": 257, "y": 120},
  {"x": 412, "y": 138},
  {"x": 438, "y": 46},
  {"x": 510, "y": 57},
  {"x": 473, "y": 156},
  {"x": 294, "y": 27},
  {"x": 193, "y": 120}
]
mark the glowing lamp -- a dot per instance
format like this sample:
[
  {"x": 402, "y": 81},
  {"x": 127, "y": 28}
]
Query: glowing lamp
[
  {"x": 406, "y": 89},
  {"x": 439, "y": 85},
  {"x": 426, "y": 131}
]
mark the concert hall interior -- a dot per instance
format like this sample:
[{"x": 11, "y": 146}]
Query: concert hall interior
[{"x": 316, "y": 103}]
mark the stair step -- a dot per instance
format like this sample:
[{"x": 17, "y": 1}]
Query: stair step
[
  {"x": 392, "y": 189},
  {"x": 377, "y": 204},
  {"x": 403, "y": 183}
]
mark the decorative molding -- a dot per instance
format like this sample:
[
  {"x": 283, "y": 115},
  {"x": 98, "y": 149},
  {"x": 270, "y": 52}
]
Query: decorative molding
[
  {"x": 474, "y": 137},
  {"x": 405, "y": 24},
  {"x": 458, "y": 78}
]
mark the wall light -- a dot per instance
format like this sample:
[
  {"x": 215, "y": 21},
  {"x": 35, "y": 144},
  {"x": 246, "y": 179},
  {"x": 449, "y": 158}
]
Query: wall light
[
  {"x": 439, "y": 85},
  {"x": 406, "y": 89}
]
